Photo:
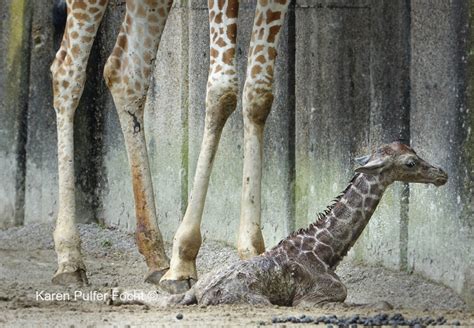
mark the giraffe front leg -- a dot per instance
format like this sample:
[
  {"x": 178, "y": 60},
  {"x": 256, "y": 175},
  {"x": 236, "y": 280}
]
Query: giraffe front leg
[
  {"x": 257, "y": 102},
  {"x": 127, "y": 74},
  {"x": 221, "y": 100},
  {"x": 69, "y": 73}
]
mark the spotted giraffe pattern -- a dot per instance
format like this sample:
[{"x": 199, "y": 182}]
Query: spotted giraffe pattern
[
  {"x": 127, "y": 74},
  {"x": 221, "y": 99},
  {"x": 300, "y": 269},
  {"x": 69, "y": 66},
  {"x": 328, "y": 240}
]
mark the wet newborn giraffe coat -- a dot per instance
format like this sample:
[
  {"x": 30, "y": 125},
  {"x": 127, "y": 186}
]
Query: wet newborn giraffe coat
[{"x": 300, "y": 270}]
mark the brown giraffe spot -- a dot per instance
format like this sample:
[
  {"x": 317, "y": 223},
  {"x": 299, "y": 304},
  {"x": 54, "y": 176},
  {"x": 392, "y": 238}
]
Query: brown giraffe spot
[
  {"x": 211, "y": 15},
  {"x": 151, "y": 3},
  {"x": 93, "y": 10},
  {"x": 232, "y": 9},
  {"x": 65, "y": 84},
  {"x": 147, "y": 57},
  {"x": 117, "y": 52},
  {"x": 261, "y": 33},
  {"x": 273, "y": 16},
  {"x": 75, "y": 50},
  {"x": 261, "y": 59},
  {"x": 228, "y": 56},
  {"x": 230, "y": 72},
  {"x": 214, "y": 53},
  {"x": 128, "y": 20},
  {"x": 81, "y": 16},
  {"x": 79, "y": 5},
  {"x": 259, "y": 20},
  {"x": 218, "y": 68},
  {"x": 138, "y": 85},
  {"x": 257, "y": 49},
  {"x": 221, "y": 43},
  {"x": 154, "y": 19},
  {"x": 218, "y": 18},
  {"x": 90, "y": 29},
  {"x": 282, "y": 2},
  {"x": 141, "y": 12},
  {"x": 270, "y": 70},
  {"x": 263, "y": 3},
  {"x": 122, "y": 41},
  {"x": 155, "y": 30},
  {"x": 74, "y": 35},
  {"x": 86, "y": 39},
  {"x": 213, "y": 30},
  {"x": 232, "y": 32},
  {"x": 92, "y": 2},
  {"x": 272, "y": 53},
  {"x": 68, "y": 60},
  {"x": 210, "y": 3},
  {"x": 146, "y": 72},
  {"x": 162, "y": 12},
  {"x": 273, "y": 33},
  {"x": 220, "y": 4},
  {"x": 147, "y": 42},
  {"x": 255, "y": 70},
  {"x": 103, "y": 2}
]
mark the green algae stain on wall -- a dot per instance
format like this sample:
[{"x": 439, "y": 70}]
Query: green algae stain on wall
[{"x": 17, "y": 26}]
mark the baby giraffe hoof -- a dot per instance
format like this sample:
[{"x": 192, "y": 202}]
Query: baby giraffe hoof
[
  {"x": 177, "y": 286},
  {"x": 68, "y": 278},
  {"x": 153, "y": 276}
]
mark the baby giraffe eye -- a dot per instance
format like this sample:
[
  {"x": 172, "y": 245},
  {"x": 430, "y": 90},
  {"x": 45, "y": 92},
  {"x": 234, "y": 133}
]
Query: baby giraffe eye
[{"x": 411, "y": 164}]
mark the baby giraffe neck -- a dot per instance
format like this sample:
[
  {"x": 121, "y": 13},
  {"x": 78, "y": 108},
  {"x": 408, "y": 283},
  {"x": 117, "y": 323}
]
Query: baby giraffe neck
[{"x": 326, "y": 241}]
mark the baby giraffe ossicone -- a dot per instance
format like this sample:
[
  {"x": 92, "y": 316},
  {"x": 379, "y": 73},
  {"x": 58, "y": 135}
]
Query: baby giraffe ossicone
[{"x": 300, "y": 270}]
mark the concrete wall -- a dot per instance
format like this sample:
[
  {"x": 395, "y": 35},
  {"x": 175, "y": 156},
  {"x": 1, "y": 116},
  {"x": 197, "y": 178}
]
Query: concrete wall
[{"x": 350, "y": 76}]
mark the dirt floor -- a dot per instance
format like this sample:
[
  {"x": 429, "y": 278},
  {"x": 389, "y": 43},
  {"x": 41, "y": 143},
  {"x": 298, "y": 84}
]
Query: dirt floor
[{"x": 27, "y": 263}]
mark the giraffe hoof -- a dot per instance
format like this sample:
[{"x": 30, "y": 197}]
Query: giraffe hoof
[
  {"x": 153, "y": 276},
  {"x": 177, "y": 286},
  {"x": 68, "y": 278}
]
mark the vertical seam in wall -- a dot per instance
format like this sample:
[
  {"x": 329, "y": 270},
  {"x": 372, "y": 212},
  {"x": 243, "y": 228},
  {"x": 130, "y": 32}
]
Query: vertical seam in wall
[
  {"x": 291, "y": 65},
  {"x": 22, "y": 128},
  {"x": 406, "y": 134}
]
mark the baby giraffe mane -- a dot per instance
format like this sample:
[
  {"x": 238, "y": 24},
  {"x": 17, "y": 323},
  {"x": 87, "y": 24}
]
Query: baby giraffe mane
[{"x": 322, "y": 216}]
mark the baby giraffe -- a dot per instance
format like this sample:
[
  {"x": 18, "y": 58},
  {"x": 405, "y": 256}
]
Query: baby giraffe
[{"x": 300, "y": 270}]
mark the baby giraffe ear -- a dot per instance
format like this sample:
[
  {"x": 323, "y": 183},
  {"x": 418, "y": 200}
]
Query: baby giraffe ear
[{"x": 371, "y": 167}]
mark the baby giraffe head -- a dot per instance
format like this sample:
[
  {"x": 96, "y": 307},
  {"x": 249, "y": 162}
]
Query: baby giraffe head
[{"x": 399, "y": 162}]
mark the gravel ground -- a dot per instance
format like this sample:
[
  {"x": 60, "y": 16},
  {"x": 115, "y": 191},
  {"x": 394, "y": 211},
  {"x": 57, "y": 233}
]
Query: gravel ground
[{"x": 27, "y": 263}]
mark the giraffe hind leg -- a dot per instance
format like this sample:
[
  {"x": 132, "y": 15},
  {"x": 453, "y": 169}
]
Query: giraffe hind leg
[{"x": 127, "y": 74}]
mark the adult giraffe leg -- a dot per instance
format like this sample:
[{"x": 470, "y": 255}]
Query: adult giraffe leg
[
  {"x": 221, "y": 100},
  {"x": 257, "y": 102},
  {"x": 127, "y": 74},
  {"x": 69, "y": 74}
]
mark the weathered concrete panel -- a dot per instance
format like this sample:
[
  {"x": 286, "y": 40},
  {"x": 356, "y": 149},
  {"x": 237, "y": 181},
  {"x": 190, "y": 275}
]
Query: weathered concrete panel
[
  {"x": 384, "y": 240},
  {"x": 332, "y": 101},
  {"x": 14, "y": 71},
  {"x": 41, "y": 149},
  {"x": 441, "y": 239}
]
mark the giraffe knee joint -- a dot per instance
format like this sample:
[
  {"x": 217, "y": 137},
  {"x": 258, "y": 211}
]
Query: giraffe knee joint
[
  {"x": 257, "y": 106},
  {"x": 220, "y": 104}
]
